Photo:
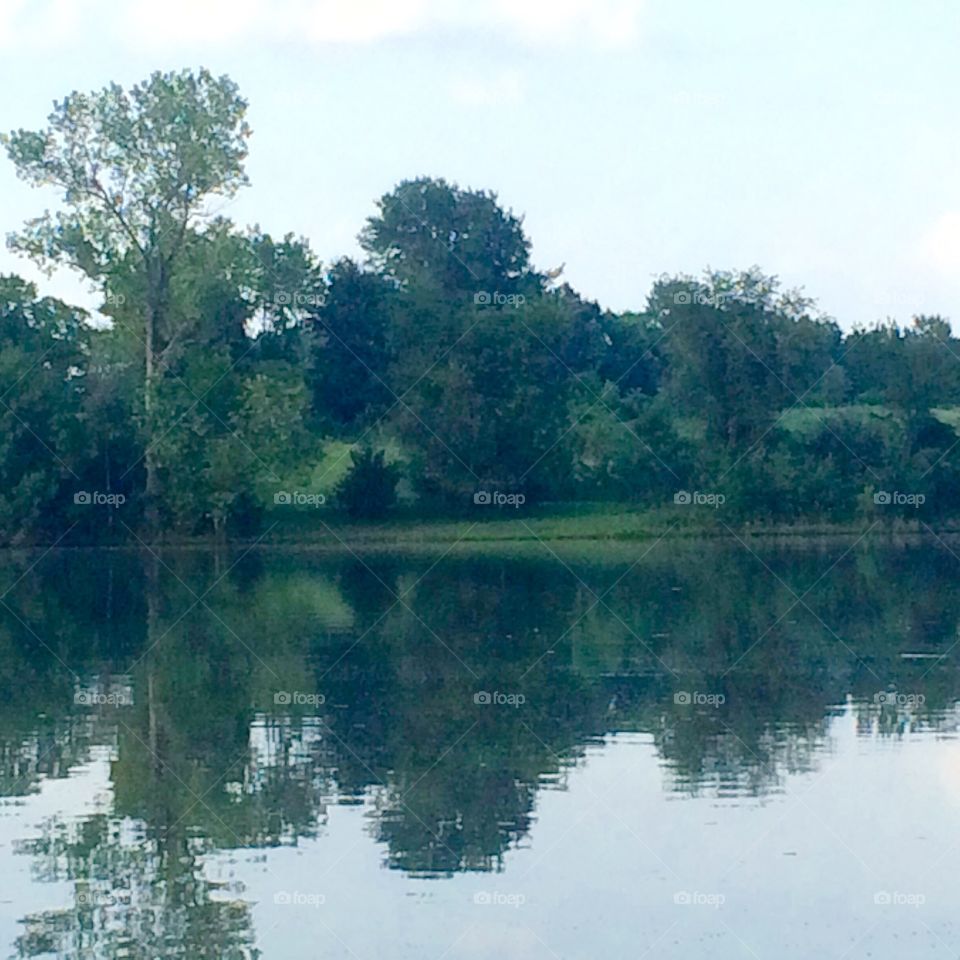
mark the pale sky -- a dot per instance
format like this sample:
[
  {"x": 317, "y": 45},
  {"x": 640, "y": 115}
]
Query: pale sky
[{"x": 818, "y": 139}]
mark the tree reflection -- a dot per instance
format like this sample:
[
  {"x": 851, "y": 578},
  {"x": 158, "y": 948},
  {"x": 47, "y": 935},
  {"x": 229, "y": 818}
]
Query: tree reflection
[
  {"x": 212, "y": 753},
  {"x": 133, "y": 896}
]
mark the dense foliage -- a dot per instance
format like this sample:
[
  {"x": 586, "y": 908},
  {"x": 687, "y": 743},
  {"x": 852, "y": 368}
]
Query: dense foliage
[{"x": 239, "y": 384}]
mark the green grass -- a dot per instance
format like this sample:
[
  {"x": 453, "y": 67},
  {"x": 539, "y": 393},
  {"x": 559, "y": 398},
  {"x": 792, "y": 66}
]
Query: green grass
[
  {"x": 600, "y": 524},
  {"x": 807, "y": 418},
  {"x": 581, "y": 521},
  {"x": 948, "y": 415}
]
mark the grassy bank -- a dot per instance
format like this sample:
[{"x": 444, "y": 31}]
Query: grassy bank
[
  {"x": 602, "y": 524},
  {"x": 591, "y": 525}
]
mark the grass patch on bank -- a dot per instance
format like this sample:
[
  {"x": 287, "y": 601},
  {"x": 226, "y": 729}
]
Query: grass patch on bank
[{"x": 592, "y": 522}]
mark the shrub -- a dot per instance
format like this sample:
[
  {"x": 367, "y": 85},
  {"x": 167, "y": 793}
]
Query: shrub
[{"x": 369, "y": 490}]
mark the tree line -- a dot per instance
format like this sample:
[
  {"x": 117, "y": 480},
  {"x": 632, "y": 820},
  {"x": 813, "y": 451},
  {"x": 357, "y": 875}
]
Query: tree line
[{"x": 239, "y": 382}]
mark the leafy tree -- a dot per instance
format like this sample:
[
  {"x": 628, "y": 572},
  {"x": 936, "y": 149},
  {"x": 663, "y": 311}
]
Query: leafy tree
[
  {"x": 929, "y": 369},
  {"x": 243, "y": 442},
  {"x": 627, "y": 448},
  {"x": 820, "y": 470},
  {"x": 350, "y": 351},
  {"x": 912, "y": 369},
  {"x": 634, "y": 358},
  {"x": 44, "y": 457},
  {"x": 870, "y": 359},
  {"x": 112, "y": 387},
  {"x": 491, "y": 408},
  {"x": 459, "y": 240},
  {"x": 722, "y": 347},
  {"x": 136, "y": 169},
  {"x": 286, "y": 288},
  {"x": 809, "y": 350}
]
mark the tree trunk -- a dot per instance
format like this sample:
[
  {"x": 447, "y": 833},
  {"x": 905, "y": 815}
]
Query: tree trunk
[
  {"x": 153, "y": 602},
  {"x": 151, "y": 511}
]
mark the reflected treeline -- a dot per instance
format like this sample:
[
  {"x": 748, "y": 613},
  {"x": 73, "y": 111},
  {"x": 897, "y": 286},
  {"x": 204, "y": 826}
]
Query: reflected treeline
[
  {"x": 133, "y": 896},
  {"x": 256, "y": 690}
]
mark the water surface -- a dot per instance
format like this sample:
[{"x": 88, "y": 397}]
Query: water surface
[{"x": 682, "y": 751}]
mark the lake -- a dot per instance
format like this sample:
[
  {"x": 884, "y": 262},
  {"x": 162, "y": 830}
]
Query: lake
[{"x": 670, "y": 749}]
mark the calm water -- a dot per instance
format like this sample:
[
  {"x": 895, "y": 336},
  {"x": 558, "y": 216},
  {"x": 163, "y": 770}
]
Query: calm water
[{"x": 687, "y": 751}]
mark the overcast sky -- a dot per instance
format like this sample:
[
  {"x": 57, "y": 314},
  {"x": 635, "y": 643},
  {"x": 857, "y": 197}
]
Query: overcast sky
[{"x": 818, "y": 139}]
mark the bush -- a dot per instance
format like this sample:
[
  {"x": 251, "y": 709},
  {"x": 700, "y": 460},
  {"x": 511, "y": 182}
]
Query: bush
[
  {"x": 369, "y": 490},
  {"x": 819, "y": 472}
]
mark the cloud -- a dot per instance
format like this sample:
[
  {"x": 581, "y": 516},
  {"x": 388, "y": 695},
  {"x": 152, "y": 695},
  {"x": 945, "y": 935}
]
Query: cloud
[{"x": 191, "y": 23}]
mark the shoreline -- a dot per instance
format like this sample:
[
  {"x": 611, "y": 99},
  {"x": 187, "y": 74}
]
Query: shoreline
[{"x": 612, "y": 529}]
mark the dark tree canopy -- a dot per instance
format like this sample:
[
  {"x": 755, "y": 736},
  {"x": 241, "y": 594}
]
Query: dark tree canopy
[{"x": 462, "y": 241}]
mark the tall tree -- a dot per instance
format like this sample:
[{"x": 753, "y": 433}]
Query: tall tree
[
  {"x": 136, "y": 169},
  {"x": 461, "y": 241},
  {"x": 722, "y": 347},
  {"x": 350, "y": 356},
  {"x": 43, "y": 348}
]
